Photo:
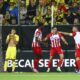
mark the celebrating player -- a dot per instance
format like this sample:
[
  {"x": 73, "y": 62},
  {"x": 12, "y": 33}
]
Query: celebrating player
[
  {"x": 54, "y": 37},
  {"x": 76, "y": 35},
  {"x": 12, "y": 40},
  {"x": 37, "y": 47}
]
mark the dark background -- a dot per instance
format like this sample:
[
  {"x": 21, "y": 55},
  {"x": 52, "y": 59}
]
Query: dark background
[{"x": 26, "y": 36}]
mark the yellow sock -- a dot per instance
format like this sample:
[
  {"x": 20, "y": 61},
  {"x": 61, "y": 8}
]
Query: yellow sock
[
  {"x": 5, "y": 65},
  {"x": 13, "y": 66}
]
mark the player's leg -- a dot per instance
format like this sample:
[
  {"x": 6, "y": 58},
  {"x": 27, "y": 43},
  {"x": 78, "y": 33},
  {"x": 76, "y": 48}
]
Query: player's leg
[
  {"x": 5, "y": 65},
  {"x": 77, "y": 55},
  {"x": 77, "y": 64},
  {"x": 52, "y": 52},
  {"x": 13, "y": 58},
  {"x": 61, "y": 55},
  {"x": 7, "y": 57},
  {"x": 38, "y": 54},
  {"x": 13, "y": 65}
]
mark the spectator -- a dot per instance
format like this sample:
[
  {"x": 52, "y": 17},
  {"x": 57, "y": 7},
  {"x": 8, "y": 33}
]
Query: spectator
[
  {"x": 63, "y": 7},
  {"x": 13, "y": 9},
  {"x": 65, "y": 11},
  {"x": 42, "y": 7},
  {"x": 36, "y": 22},
  {"x": 5, "y": 22},
  {"x": 69, "y": 17},
  {"x": 23, "y": 11},
  {"x": 64, "y": 22},
  {"x": 7, "y": 16},
  {"x": 76, "y": 21},
  {"x": 13, "y": 21},
  {"x": 48, "y": 16},
  {"x": 31, "y": 10},
  {"x": 74, "y": 8},
  {"x": 3, "y": 5},
  {"x": 37, "y": 17},
  {"x": 44, "y": 22}
]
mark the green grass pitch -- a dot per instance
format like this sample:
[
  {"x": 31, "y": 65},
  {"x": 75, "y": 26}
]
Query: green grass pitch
[{"x": 39, "y": 76}]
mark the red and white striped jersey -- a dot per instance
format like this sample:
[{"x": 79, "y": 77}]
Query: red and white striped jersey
[
  {"x": 38, "y": 34},
  {"x": 55, "y": 39},
  {"x": 76, "y": 36}
]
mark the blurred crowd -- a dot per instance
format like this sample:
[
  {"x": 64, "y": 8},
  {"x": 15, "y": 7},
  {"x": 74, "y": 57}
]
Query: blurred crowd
[
  {"x": 35, "y": 12},
  {"x": 39, "y": 11},
  {"x": 67, "y": 12},
  {"x": 9, "y": 10}
]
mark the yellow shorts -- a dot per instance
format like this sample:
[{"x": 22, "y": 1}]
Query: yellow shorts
[{"x": 11, "y": 53}]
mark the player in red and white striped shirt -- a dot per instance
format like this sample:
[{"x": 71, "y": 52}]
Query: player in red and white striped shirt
[
  {"x": 76, "y": 36},
  {"x": 55, "y": 37},
  {"x": 37, "y": 47}
]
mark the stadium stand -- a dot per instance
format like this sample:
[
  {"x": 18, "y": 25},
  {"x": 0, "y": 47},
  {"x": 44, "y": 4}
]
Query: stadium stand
[{"x": 9, "y": 10}]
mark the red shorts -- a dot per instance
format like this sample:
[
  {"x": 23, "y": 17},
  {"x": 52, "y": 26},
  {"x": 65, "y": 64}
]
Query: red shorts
[
  {"x": 77, "y": 53},
  {"x": 37, "y": 50},
  {"x": 57, "y": 50}
]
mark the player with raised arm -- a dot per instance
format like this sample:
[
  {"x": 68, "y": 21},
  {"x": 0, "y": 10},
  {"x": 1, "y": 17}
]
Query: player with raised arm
[
  {"x": 37, "y": 47},
  {"x": 55, "y": 37},
  {"x": 76, "y": 36},
  {"x": 12, "y": 41}
]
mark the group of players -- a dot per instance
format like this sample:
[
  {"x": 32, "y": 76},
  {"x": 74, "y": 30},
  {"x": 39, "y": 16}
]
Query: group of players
[{"x": 54, "y": 36}]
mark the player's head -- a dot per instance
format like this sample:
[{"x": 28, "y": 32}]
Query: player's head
[
  {"x": 75, "y": 29},
  {"x": 13, "y": 31},
  {"x": 41, "y": 26},
  {"x": 54, "y": 30}
]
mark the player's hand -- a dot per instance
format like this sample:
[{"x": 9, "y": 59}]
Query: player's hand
[
  {"x": 46, "y": 44},
  {"x": 11, "y": 36},
  {"x": 66, "y": 44}
]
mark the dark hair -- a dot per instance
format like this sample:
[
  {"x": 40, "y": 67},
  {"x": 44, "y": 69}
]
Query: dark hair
[{"x": 53, "y": 27}]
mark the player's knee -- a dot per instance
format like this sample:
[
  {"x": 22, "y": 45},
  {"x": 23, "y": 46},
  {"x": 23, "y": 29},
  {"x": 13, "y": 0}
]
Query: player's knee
[
  {"x": 61, "y": 56},
  {"x": 50, "y": 59},
  {"x": 77, "y": 58}
]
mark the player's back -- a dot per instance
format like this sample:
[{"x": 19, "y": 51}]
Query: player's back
[{"x": 38, "y": 34}]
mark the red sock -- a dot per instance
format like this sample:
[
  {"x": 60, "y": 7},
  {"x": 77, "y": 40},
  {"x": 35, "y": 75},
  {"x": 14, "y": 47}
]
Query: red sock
[
  {"x": 49, "y": 64},
  {"x": 60, "y": 63},
  {"x": 78, "y": 64},
  {"x": 36, "y": 61}
]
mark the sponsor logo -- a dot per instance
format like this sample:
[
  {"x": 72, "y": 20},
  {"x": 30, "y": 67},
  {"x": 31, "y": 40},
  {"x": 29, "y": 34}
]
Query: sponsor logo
[{"x": 42, "y": 63}]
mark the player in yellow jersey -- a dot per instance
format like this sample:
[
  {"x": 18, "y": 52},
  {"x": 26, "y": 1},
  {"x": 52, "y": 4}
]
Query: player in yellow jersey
[{"x": 12, "y": 40}]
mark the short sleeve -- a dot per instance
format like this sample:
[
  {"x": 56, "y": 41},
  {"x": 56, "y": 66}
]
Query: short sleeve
[
  {"x": 74, "y": 33},
  {"x": 37, "y": 34},
  {"x": 49, "y": 35},
  {"x": 60, "y": 35}
]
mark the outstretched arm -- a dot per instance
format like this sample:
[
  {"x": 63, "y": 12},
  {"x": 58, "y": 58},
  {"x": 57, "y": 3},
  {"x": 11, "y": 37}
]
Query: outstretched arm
[
  {"x": 66, "y": 33},
  {"x": 64, "y": 40}
]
